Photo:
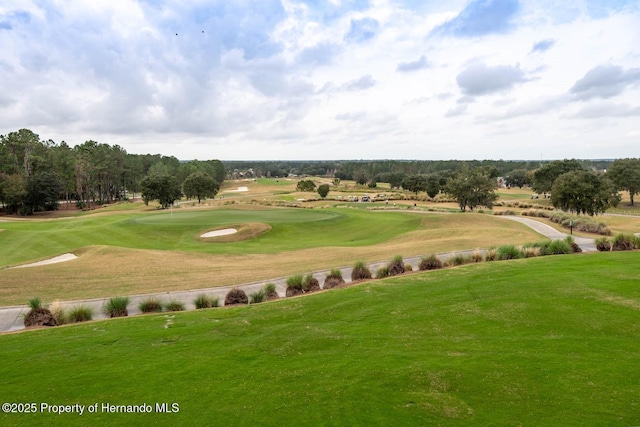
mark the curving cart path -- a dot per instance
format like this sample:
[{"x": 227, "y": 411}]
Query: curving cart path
[{"x": 11, "y": 318}]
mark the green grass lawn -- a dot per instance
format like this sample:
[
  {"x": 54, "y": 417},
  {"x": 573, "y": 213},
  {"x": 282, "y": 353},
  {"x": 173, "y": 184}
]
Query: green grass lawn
[
  {"x": 542, "y": 341},
  {"x": 179, "y": 231}
]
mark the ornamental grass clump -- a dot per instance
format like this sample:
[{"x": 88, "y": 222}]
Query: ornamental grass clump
[
  {"x": 270, "y": 291},
  {"x": 174, "y": 306},
  {"x": 382, "y": 272},
  {"x": 396, "y": 266},
  {"x": 205, "y": 301},
  {"x": 38, "y": 315},
  {"x": 117, "y": 307},
  {"x": 558, "y": 247},
  {"x": 459, "y": 259},
  {"x": 310, "y": 284},
  {"x": 360, "y": 272},
  {"x": 333, "y": 279},
  {"x": 236, "y": 296},
  {"x": 477, "y": 256},
  {"x": 150, "y": 305},
  {"x": 491, "y": 255},
  {"x": 58, "y": 312},
  {"x": 507, "y": 252},
  {"x": 624, "y": 242},
  {"x": 603, "y": 244},
  {"x": 431, "y": 262},
  {"x": 294, "y": 285},
  {"x": 575, "y": 248},
  {"x": 80, "y": 314},
  {"x": 257, "y": 297}
]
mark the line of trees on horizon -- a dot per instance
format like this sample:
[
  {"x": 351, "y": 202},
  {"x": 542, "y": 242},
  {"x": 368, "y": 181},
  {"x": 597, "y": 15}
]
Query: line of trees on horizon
[{"x": 36, "y": 174}]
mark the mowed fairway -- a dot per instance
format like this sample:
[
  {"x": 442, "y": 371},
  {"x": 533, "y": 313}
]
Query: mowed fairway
[
  {"x": 133, "y": 253},
  {"x": 550, "y": 341}
]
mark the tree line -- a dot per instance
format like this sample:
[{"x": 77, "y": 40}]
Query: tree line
[{"x": 36, "y": 174}]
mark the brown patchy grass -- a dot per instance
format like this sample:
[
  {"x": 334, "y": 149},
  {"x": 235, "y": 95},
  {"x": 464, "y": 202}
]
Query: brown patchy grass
[{"x": 102, "y": 271}]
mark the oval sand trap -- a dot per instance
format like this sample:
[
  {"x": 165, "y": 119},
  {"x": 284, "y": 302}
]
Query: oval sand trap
[{"x": 216, "y": 233}]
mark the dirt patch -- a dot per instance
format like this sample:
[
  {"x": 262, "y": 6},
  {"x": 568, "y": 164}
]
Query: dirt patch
[{"x": 242, "y": 232}]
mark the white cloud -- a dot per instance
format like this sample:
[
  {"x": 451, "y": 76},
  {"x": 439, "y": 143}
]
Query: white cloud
[{"x": 278, "y": 79}]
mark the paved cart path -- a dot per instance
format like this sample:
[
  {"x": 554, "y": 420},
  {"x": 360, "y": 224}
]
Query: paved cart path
[{"x": 11, "y": 318}]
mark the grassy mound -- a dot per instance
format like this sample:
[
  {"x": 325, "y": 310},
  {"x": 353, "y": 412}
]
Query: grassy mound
[{"x": 537, "y": 341}]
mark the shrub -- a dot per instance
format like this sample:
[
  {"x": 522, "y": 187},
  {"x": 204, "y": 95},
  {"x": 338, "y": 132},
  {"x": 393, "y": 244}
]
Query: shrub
[
  {"x": 174, "y": 306},
  {"x": 360, "y": 272},
  {"x": 623, "y": 242},
  {"x": 491, "y": 255},
  {"x": 531, "y": 251},
  {"x": 38, "y": 315},
  {"x": 80, "y": 314},
  {"x": 476, "y": 256},
  {"x": 257, "y": 297},
  {"x": 270, "y": 291},
  {"x": 396, "y": 266},
  {"x": 575, "y": 248},
  {"x": 150, "y": 305},
  {"x": 310, "y": 283},
  {"x": 603, "y": 244},
  {"x": 506, "y": 252},
  {"x": 58, "y": 311},
  {"x": 117, "y": 307},
  {"x": 236, "y": 296},
  {"x": 430, "y": 262},
  {"x": 333, "y": 279},
  {"x": 382, "y": 272},
  {"x": 205, "y": 301},
  {"x": 558, "y": 247},
  {"x": 294, "y": 285},
  {"x": 459, "y": 259}
]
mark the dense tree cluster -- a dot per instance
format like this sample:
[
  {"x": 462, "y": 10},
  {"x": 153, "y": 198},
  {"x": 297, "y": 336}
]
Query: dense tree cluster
[{"x": 35, "y": 174}]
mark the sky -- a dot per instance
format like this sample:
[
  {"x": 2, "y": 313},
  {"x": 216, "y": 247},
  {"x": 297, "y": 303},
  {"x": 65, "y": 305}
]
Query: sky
[{"x": 326, "y": 80}]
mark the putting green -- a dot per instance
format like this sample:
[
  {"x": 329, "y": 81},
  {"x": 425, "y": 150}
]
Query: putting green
[{"x": 291, "y": 229}]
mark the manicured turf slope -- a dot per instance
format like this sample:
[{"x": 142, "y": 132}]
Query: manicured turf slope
[{"x": 544, "y": 341}]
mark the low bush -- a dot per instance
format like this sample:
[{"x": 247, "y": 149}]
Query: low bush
[
  {"x": 507, "y": 252},
  {"x": 624, "y": 242},
  {"x": 294, "y": 285},
  {"x": 257, "y": 297},
  {"x": 80, "y": 314},
  {"x": 58, "y": 311},
  {"x": 174, "y": 306},
  {"x": 476, "y": 256},
  {"x": 150, "y": 305},
  {"x": 38, "y": 315},
  {"x": 333, "y": 279},
  {"x": 557, "y": 247},
  {"x": 382, "y": 272},
  {"x": 117, "y": 307},
  {"x": 459, "y": 259},
  {"x": 396, "y": 266},
  {"x": 236, "y": 296},
  {"x": 431, "y": 262},
  {"x": 310, "y": 283},
  {"x": 360, "y": 272},
  {"x": 531, "y": 251},
  {"x": 205, "y": 301},
  {"x": 603, "y": 244},
  {"x": 575, "y": 248},
  {"x": 270, "y": 291}
]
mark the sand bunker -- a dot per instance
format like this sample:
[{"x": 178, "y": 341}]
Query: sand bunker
[
  {"x": 54, "y": 260},
  {"x": 238, "y": 190},
  {"x": 216, "y": 233}
]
